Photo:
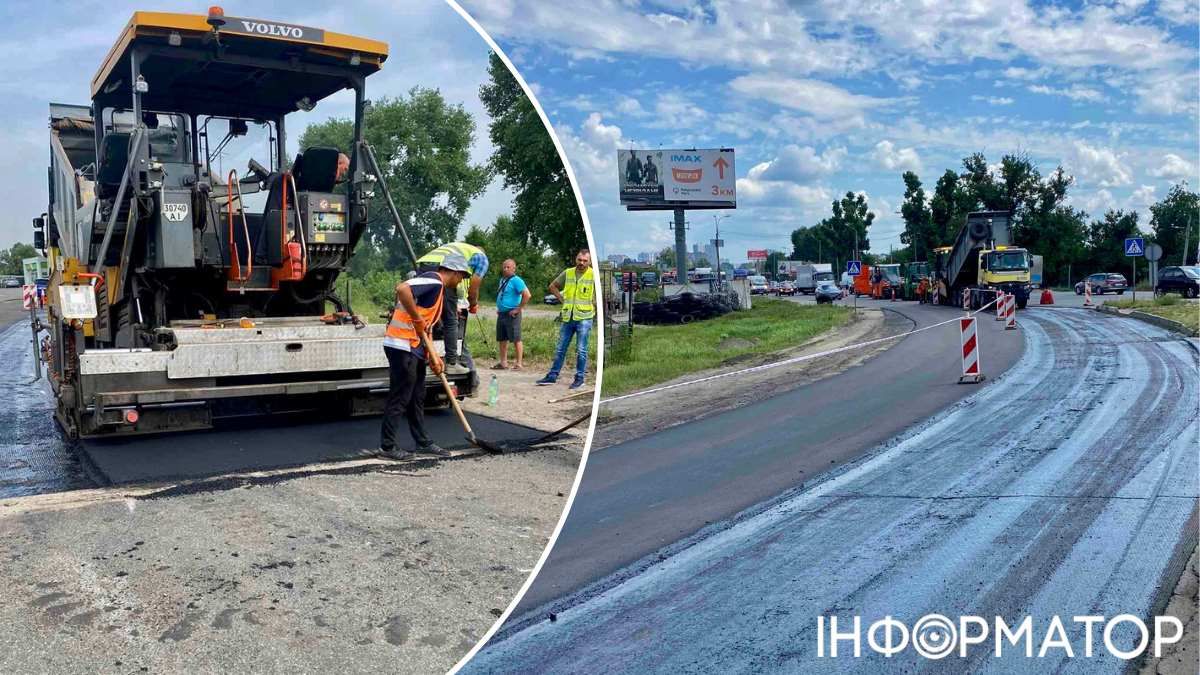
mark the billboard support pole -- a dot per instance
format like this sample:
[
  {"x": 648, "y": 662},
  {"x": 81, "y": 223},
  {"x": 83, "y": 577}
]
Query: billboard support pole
[{"x": 680, "y": 248}]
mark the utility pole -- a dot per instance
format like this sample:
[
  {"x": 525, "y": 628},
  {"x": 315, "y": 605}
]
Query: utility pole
[
  {"x": 717, "y": 245},
  {"x": 680, "y": 247},
  {"x": 1187, "y": 235}
]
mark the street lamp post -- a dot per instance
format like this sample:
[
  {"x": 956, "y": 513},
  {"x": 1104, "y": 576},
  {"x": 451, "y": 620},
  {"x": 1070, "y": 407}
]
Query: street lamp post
[{"x": 717, "y": 244}]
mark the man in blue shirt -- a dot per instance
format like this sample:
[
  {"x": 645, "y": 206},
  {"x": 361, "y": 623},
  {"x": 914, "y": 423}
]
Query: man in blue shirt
[{"x": 510, "y": 302}]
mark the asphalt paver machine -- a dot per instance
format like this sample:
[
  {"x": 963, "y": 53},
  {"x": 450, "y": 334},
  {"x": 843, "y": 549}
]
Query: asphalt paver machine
[{"x": 182, "y": 292}]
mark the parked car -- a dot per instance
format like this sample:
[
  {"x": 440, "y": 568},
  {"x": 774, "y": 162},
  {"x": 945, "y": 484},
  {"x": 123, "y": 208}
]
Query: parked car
[
  {"x": 12, "y": 282},
  {"x": 827, "y": 292},
  {"x": 550, "y": 299},
  {"x": 786, "y": 288},
  {"x": 1182, "y": 280},
  {"x": 1104, "y": 283}
]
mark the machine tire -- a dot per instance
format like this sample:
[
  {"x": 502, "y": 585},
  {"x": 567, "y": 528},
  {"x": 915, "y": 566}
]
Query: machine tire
[
  {"x": 1189, "y": 292},
  {"x": 1120, "y": 292}
]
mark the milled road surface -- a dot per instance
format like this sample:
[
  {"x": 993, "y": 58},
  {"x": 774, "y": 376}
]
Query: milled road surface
[
  {"x": 639, "y": 496},
  {"x": 1065, "y": 488}
]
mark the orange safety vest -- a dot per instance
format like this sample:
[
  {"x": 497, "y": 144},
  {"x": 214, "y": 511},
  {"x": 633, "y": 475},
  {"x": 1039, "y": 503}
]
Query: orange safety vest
[{"x": 400, "y": 329}]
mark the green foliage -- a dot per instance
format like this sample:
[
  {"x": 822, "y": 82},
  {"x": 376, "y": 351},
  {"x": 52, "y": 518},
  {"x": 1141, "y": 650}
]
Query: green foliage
[
  {"x": 666, "y": 258},
  {"x": 1176, "y": 222},
  {"x": 506, "y": 239},
  {"x": 840, "y": 237},
  {"x": 545, "y": 205},
  {"x": 1106, "y": 241},
  {"x": 423, "y": 145},
  {"x": 11, "y": 259},
  {"x": 918, "y": 233},
  {"x": 1168, "y": 300}
]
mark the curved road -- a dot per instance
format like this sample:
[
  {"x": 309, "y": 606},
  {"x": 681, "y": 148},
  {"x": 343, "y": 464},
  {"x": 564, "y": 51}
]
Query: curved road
[
  {"x": 1066, "y": 487},
  {"x": 642, "y": 495}
]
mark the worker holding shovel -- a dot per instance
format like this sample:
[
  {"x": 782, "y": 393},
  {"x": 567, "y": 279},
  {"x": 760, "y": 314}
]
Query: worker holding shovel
[{"x": 419, "y": 303}]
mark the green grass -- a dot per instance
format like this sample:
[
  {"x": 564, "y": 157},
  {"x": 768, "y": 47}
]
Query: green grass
[
  {"x": 662, "y": 353},
  {"x": 540, "y": 335},
  {"x": 1170, "y": 307}
]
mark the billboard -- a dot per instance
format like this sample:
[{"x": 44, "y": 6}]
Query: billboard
[
  {"x": 756, "y": 254},
  {"x": 672, "y": 179}
]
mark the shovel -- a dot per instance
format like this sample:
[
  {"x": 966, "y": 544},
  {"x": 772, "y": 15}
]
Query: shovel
[{"x": 477, "y": 442}]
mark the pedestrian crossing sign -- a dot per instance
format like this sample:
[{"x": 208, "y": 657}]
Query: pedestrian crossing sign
[
  {"x": 1135, "y": 247},
  {"x": 853, "y": 267}
]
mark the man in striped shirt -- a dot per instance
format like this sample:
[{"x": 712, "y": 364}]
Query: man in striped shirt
[{"x": 418, "y": 309}]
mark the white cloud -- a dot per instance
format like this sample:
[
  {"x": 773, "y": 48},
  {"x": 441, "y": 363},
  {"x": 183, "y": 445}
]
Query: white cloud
[
  {"x": 1141, "y": 198},
  {"x": 1182, "y": 12},
  {"x": 1100, "y": 166},
  {"x": 799, "y": 164},
  {"x": 1093, "y": 203},
  {"x": 1074, "y": 92},
  {"x": 993, "y": 100},
  {"x": 819, "y": 99},
  {"x": 887, "y": 155},
  {"x": 1174, "y": 168}
]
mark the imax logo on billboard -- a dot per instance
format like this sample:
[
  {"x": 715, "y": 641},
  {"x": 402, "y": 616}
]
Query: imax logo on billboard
[{"x": 685, "y": 159}]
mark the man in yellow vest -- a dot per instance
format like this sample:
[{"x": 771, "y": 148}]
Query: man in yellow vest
[
  {"x": 575, "y": 288},
  {"x": 453, "y": 329},
  {"x": 418, "y": 308}
]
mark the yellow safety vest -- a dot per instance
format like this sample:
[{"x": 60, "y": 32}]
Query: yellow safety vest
[
  {"x": 467, "y": 251},
  {"x": 579, "y": 296},
  {"x": 400, "y": 328}
]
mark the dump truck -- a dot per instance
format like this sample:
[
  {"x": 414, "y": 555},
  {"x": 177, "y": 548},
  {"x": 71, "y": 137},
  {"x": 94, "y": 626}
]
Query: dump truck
[
  {"x": 983, "y": 260},
  {"x": 183, "y": 291}
]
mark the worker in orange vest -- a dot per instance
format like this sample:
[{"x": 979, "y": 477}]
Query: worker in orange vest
[{"x": 418, "y": 308}]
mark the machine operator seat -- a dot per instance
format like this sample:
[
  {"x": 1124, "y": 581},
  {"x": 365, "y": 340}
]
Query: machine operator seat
[
  {"x": 114, "y": 156},
  {"x": 315, "y": 169}
]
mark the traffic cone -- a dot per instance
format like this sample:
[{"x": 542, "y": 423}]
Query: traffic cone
[{"x": 1047, "y": 297}]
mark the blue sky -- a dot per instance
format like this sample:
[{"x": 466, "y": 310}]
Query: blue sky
[
  {"x": 50, "y": 51},
  {"x": 820, "y": 97}
]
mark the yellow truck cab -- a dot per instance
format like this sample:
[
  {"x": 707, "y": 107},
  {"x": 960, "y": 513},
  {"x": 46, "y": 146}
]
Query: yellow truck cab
[{"x": 1006, "y": 268}]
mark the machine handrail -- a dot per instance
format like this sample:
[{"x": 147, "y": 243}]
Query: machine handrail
[
  {"x": 135, "y": 147},
  {"x": 370, "y": 154}
]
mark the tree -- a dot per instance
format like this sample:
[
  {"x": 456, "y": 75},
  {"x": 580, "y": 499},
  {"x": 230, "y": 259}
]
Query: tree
[
  {"x": 918, "y": 221},
  {"x": 423, "y": 145},
  {"x": 11, "y": 259},
  {"x": 808, "y": 244},
  {"x": 1106, "y": 240},
  {"x": 1176, "y": 222},
  {"x": 846, "y": 229},
  {"x": 525, "y": 155},
  {"x": 772, "y": 264},
  {"x": 948, "y": 208},
  {"x": 505, "y": 239},
  {"x": 666, "y": 258}
]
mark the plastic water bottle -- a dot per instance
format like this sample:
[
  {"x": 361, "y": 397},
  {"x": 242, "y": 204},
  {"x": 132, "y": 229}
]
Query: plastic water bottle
[{"x": 493, "y": 391}]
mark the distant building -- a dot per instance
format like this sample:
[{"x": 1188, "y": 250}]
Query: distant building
[
  {"x": 645, "y": 257},
  {"x": 617, "y": 259}
]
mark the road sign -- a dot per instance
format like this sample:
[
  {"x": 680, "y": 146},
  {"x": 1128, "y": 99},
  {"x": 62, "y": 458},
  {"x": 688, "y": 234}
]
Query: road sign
[
  {"x": 1135, "y": 247},
  {"x": 1153, "y": 252},
  {"x": 854, "y": 267},
  {"x": 29, "y": 296}
]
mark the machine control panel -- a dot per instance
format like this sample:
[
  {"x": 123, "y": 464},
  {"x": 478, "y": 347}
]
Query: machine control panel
[{"x": 325, "y": 218}]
